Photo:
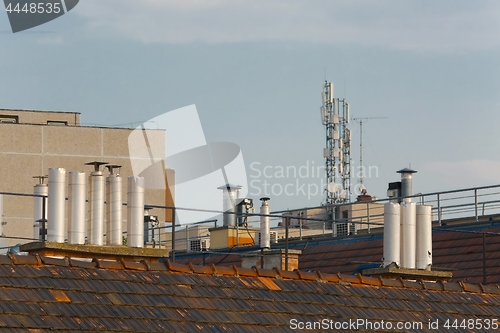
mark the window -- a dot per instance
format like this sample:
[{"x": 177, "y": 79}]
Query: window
[
  {"x": 9, "y": 119},
  {"x": 57, "y": 123}
]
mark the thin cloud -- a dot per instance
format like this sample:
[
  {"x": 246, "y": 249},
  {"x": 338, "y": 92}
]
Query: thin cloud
[{"x": 415, "y": 26}]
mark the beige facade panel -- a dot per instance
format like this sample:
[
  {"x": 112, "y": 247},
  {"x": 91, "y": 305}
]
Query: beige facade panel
[
  {"x": 115, "y": 142},
  {"x": 17, "y": 170},
  {"x": 63, "y": 140},
  {"x": 26, "y": 139}
]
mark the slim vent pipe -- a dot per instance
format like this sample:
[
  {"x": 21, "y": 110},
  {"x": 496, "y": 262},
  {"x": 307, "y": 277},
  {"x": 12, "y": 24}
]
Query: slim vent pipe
[
  {"x": 265, "y": 226},
  {"x": 38, "y": 209},
  {"x": 424, "y": 236},
  {"x": 392, "y": 230},
  {"x": 135, "y": 212},
  {"x": 57, "y": 185},
  {"x": 76, "y": 207}
]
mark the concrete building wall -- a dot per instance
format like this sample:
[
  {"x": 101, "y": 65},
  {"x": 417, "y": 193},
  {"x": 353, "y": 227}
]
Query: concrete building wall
[
  {"x": 40, "y": 117},
  {"x": 30, "y": 148}
]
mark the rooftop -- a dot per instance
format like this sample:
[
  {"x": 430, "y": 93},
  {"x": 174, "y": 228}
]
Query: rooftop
[
  {"x": 456, "y": 248},
  {"x": 41, "y": 294}
]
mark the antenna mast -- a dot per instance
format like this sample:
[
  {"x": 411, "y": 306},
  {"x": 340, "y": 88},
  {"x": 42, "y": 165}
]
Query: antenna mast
[
  {"x": 335, "y": 117},
  {"x": 360, "y": 121}
]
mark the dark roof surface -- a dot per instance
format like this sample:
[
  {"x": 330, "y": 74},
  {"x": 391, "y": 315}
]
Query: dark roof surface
[
  {"x": 459, "y": 251},
  {"x": 42, "y": 294}
]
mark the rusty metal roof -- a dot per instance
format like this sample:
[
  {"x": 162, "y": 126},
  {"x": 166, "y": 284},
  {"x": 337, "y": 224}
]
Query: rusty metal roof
[{"x": 41, "y": 294}]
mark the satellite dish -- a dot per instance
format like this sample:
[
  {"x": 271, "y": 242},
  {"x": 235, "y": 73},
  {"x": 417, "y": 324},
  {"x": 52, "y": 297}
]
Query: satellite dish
[{"x": 333, "y": 187}]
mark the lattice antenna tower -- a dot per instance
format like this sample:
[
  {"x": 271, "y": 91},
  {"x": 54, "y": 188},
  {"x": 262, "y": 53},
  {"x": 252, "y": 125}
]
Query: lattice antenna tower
[{"x": 335, "y": 117}]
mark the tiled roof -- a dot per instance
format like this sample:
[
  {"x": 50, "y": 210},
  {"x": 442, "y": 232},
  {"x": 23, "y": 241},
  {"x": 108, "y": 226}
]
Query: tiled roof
[
  {"x": 42, "y": 294},
  {"x": 460, "y": 252}
]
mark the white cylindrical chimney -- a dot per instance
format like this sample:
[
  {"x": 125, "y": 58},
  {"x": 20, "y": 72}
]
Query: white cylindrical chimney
[
  {"x": 424, "y": 236},
  {"x": 114, "y": 210},
  {"x": 265, "y": 225},
  {"x": 57, "y": 186},
  {"x": 408, "y": 234},
  {"x": 76, "y": 207},
  {"x": 38, "y": 210},
  {"x": 96, "y": 214},
  {"x": 392, "y": 230},
  {"x": 229, "y": 200},
  {"x": 406, "y": 183},
  {"x": 135, "y": 212}
]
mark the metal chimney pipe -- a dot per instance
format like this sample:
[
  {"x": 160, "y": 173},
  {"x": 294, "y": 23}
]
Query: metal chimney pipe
[
  {"x": 408, "y": 234},
  {"x": 38, "y": 209},
  {"x": 135, "y": 212},
  {"x": 57, "y": 185},
  {"x": 265, "y": 225},
  {"x": 113, "y": 207},
  {"x": 95, "y": 230},
  {"x": 406, "y": 183},
  {"x": 76, "y": 207},
  {"x": 229, "y": 197},
  {"x": 392, "y": 233},
  {"x": 424, "y": 236}
]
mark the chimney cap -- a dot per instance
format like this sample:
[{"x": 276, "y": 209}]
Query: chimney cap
[
  {"x": 406, "y": 170},
  {"x": 229, "y": 186},
  {"x": 96, "y": 164}
]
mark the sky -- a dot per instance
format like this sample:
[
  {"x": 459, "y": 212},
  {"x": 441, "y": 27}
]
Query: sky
[{"x": 255, "y": 70}]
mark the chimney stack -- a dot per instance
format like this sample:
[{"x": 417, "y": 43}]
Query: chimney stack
[
  {"x": 113, "y": 207},
  {"x": 56, "y": 218},
  {"x": 76, "y": 207},
  {"x": 229, "y": 197},
  {"x": 135, "y": 212},
  {"x": 424, "y": 237},
  {"x": 406, "y": 183},
  {"x": 96, "y": 201},
  {"x": 265, "y": 227},
  {"x": 392, "y": 227}
]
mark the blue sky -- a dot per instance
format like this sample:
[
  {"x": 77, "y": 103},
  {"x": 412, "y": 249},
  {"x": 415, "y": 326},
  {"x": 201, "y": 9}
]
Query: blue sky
[{"x": 255, "y": 69}]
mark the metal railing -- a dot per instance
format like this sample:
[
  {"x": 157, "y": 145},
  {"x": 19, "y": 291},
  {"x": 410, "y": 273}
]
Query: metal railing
[{"x": 469, "y": 204}]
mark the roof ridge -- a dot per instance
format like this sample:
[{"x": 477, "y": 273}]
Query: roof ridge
[{"x": 275, "y": 273}]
